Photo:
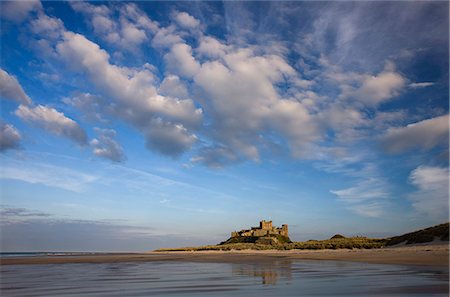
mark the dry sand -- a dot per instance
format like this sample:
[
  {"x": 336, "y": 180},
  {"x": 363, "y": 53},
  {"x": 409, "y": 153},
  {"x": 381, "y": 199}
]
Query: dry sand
[{"x": 434, "y": 255}]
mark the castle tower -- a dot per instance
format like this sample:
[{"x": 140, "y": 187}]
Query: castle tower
[
  {"x": 284, "y": 230},
  {"x": 265, "y": 225}
]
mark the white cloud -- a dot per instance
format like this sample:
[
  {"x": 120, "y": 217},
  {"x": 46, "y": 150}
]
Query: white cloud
[
  {"x": 18, "y": 11},
  {"x": 215, "y": 157},
  {"x": 127, "y": 33},
  {"x": 168, "y": 138},
  {"x": 242, "y": 96},
  {"x": 211, "y": 47},
  {"x": 172, "y": 86},
  {"x": 11, "y": 89},
  {"x": 346, "y": 121},
  {"x": 292, "y": 120},
  {"x": 87, "y": 8},
  {"x": 46, "y": 26},
  {"x": 382, "y": 87},
  {"x": 421, "y": 85},
  {"x": 180, "y": 60},
  {"x": 90, "y": 106},
  {"x": 371, "y": 90},
  {"x": 185, "y": 20},
  {"x": 165, "y": 37},
  {"x": 432, "y": 195},
  {"x": 423, "y": 135},
  {"x": 132, "y": 12},
  {"x": 9, "y": 137},
  {"x": 53, "y": 121},
  {"x": 134, "y": 94},
  {"x": 251, "y": 96},
  {"x": 364, "y": 190},
  {"x": 105, "y": 146},
  {"x": 131, "y": 34}
]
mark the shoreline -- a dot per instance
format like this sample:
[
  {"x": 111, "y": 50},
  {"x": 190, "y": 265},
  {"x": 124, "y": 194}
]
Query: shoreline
[{"x": 426, "y": 255}]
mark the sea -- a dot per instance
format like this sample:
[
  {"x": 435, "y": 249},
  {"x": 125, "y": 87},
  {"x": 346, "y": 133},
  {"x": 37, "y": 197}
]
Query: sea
[{"x": 280, "y": 277}]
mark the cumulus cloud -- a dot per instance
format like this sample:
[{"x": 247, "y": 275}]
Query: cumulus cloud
[
  {"x": 168, "y": 138},
  {"x": 431, "y": 197},
  {"x": 216, "y": 157},
  {"x": 127, "y": 33},
  {"x": 48, "y": 27},
  {"x": 9, "y": 137},
  {"x": 180, "y": 60},
  {"x": 135, "y": 95},
  {"x": 105, "y": 145},
  {"x": 211, "y": 47},
  {"x": 247, "y": 96},
  {"x": 134, "y": 87},
  {"x": 165, "y": 37},
  {"x": 53, "y": 121},
  {"x": 185, "y": 20},
  {"x": 382, "y": 87},
  {"x": 91, "y": 106},
  {"x": 18, "y": 11},
  {"x": 423, "y": 135},
  {"x": 174, "y": 87},
  {"x": 370, "y": 89},
  {"x": 11, "y": 89},
  {"x": 242, "y": 95}
]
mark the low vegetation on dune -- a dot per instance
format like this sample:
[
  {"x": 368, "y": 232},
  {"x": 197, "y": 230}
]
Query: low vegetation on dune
[
  {"x": 336, "y": 242},
  {"x": 422, "y": 236}
]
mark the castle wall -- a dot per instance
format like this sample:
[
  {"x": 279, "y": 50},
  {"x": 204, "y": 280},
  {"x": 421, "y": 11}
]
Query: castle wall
[
  {"x": 260, "y": 232},
  {"x": 265, "y": 228}
]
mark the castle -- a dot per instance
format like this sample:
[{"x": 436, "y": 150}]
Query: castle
[{"x": 265, "y": 229}]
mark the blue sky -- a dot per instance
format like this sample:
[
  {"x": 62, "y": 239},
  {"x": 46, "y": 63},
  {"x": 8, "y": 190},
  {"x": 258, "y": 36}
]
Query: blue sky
[{"x": 138, "y": 125}]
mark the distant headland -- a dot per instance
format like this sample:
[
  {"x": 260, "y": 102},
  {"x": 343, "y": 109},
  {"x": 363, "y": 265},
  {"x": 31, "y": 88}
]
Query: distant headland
[{"x": 268, "y": 237}]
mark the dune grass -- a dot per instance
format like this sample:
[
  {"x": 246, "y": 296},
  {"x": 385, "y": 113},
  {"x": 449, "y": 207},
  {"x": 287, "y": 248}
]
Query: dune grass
[
  {"x": 421, "y": 236},
  {"x": 339, "y": 243}
]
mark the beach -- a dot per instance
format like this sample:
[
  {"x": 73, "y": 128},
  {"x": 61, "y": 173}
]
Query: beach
[
  {"x": 427, "y": 255},
  {"x": 403, "y": 270},
  {"x": 400, "y": 271}
]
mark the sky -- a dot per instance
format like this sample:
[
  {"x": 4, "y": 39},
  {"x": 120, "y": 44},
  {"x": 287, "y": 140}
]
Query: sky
[{"x": 130, "y": 126}]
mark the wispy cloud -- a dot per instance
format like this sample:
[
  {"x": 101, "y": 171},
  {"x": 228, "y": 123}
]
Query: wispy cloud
[
  {"x": 421, "y": 85},
  {"x": 432, "y": 195},
  {"x": 45, "y": 174},
  {"x": 366, "y": 198},
  {"x": 424, "y": 135}
]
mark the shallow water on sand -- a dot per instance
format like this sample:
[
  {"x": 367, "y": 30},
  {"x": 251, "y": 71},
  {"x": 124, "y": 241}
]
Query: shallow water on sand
[{"x": 273, "y": 278}]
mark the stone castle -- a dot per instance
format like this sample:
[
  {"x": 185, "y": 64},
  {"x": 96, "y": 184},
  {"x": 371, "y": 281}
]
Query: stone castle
[{"x": 265, "y": 229}]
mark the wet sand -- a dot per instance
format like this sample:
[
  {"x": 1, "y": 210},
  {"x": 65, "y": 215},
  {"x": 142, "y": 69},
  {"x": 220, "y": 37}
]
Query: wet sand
[{"x": 427, "y": 255}]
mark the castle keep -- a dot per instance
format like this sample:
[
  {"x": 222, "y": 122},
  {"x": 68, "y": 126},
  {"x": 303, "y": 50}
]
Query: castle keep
[{"x": 265, "y": 229}]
